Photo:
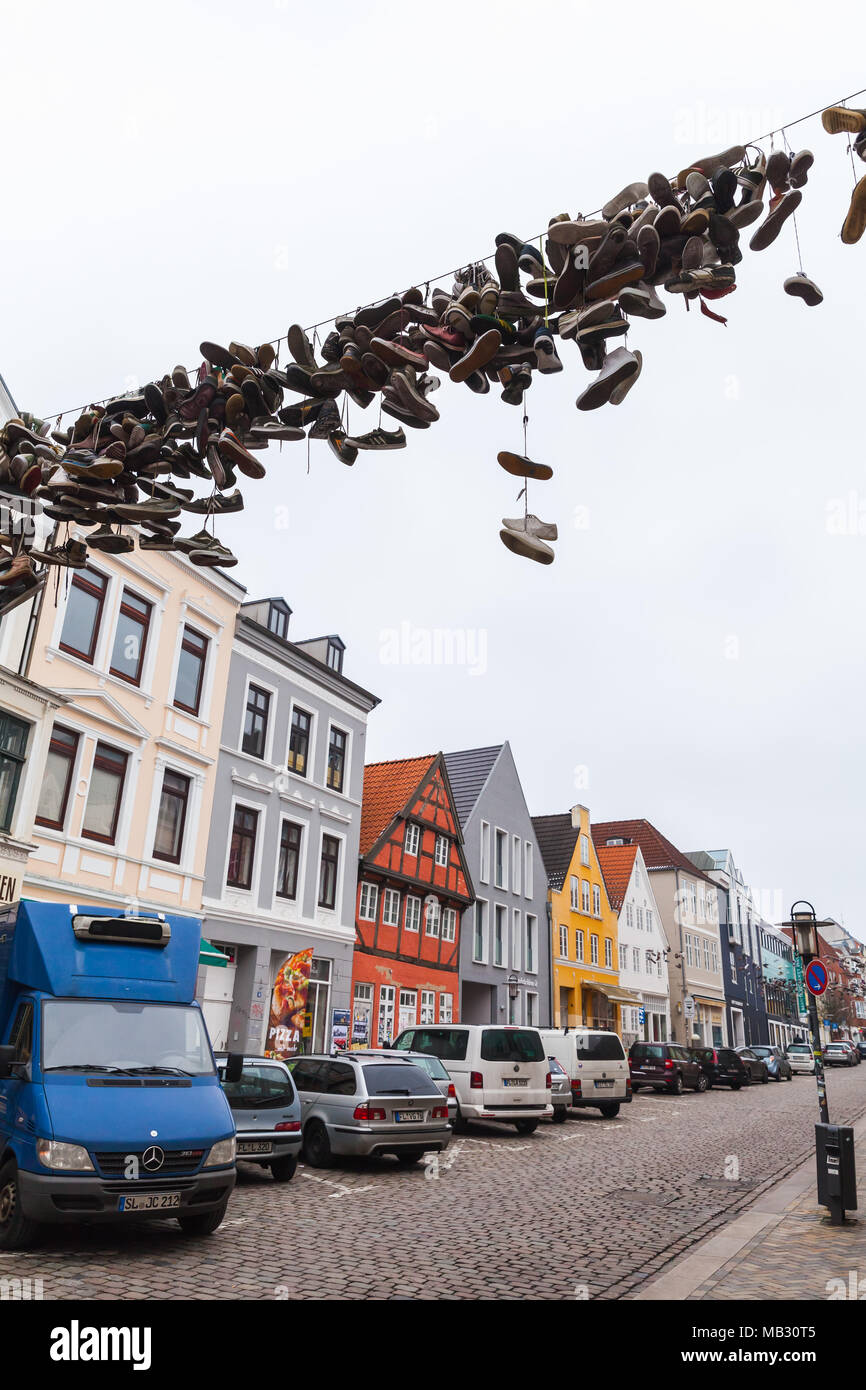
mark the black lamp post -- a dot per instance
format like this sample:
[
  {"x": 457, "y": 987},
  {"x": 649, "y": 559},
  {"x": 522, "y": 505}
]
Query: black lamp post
[{"x": 805, "y": 926}]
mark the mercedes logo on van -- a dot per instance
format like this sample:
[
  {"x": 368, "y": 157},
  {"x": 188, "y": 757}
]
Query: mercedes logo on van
[{"x": 152, "y": 1158}]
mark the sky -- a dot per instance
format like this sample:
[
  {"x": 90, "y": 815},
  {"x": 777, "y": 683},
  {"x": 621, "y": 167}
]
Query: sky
[{"x": 695, "y": 654}]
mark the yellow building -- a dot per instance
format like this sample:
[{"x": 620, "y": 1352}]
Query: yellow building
[{"x": 584, "y": 947}]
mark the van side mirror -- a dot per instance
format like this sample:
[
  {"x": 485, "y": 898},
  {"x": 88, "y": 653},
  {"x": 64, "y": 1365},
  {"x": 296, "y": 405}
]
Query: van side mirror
[
  {"x": 7, "y": 1058},
  {"x": 234, "y": 1066}
]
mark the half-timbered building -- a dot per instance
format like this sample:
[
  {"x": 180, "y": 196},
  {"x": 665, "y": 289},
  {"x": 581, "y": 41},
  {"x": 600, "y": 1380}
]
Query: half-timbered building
[{"x": 413, "y": 886}]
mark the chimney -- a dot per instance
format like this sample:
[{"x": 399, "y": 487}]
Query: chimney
[{"x": 575, "y": 815}]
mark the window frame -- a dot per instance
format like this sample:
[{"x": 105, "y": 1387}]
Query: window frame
[
  {"x": 188, "y": 636},
  {"x": 344, "y": 759},
  {"x": 413, "y": 830},
  {"x": 368, "y": 896},
  {"x": 75, "y": 735},
  {"x": 328, "y": 858},
  {"x": 279, "y": 891},
  {"x": 309, "y": 716},
  {"x": 120, "y": 753},
  {"x": 255, "y": 812},
  {"x": 127, "y": 612},
  {"x": 437, "y": 860},
  {"x": 79, "y": 581},
  {"x": 17, "y": 760},
  {"x": 185, "y": 800},
  {"x": 253, "y": 686},
  {"x": 415, "y": 926}
]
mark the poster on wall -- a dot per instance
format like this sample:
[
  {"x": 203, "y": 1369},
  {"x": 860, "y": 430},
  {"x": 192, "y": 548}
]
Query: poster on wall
[
  {"x": 289, "y": 1005},
  {"x": 340, "y": 1028}
]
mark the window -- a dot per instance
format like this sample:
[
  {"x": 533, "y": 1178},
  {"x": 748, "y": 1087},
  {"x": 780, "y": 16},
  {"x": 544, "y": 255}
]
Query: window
[
  {"x": 629, "y": 915},
  {"x": 83, "y": 613},
  {"x": 623, "y": 957},
  {"x": 707, "y": 960},
  {"x": 328, "y": 871},
  {"x": 499, "y": 930},
  {"x": 428, "y": 1006},
  {"x": 596, "y": 900},
  {"x": 635, "y": 958},
  {"x": 649, "y": 919},
  {"x": 515, "y": 863},
  {"x": 584, "y": 849},
  {"x": 575, "y": 893},
  {"x": 485, "y": 852},
  {"x": 578, "y": 943},
  {"x": 299, "y": 741},
  {"x": 733, "y": 961},
  {"x": 593, "y": 949},
  {"x": 171, "y": 817},
  {"x": 527, "y": 869},
  {"x": 563, "y": 942},
  {"x": 479, "y": 934},
  {"x": 531, "y": 929},
  {"x": 689, "y": 957},
  {"x": 442, "y": 851},
  {"x": 584, "y": 895},
  {"x": 516, "y": 945},
  {"x": 449, "y": 924},
  {"x": 531, "y": 1010},
  {"x": 608, "y": 952},
  {"x": 289, "y": 860},
  {"x": 130, "y": 638},
  {"x": 256, "y": 722},
  {"x": 278, "y": 620},
  {"x": 190, "y": 671},
  {"x": 413, "y": 914},
  {"x": 105, "y": 793},
  {"x": 391, "y": 908},
  {"x": 640, "y": 919},
  {"x": 369, "y": 902},
  {"x": 501, "y": 859},
  {"x": 446, "y": 1008},
  {"x": 59, "y": 765},
  {"x": 335, "y": 656},
  {"x": 411, "y": 839},
  {"x": 13, "y": 749},
  {"x": 337, "y": 745},
  {"x": 243, "y": 847},
  {"x": 386, "y": 1013},
  {"x": 431, "y": 919}
]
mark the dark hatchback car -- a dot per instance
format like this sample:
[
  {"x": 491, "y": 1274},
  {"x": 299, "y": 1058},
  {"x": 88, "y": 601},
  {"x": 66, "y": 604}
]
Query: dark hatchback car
[
  {"x": 665, "y": 1067},
  {"x": 722, "y": 1067},
  {"x": 757, "y": 1067}
]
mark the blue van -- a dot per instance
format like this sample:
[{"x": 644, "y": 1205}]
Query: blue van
[{"x": 110, "y": 1104}]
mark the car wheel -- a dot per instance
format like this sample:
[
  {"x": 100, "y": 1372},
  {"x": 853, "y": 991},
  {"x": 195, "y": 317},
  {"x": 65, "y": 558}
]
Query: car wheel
[
  {"x": 16, "y": 1230},
  {"x": 526, "y": 1126},
  {"x": 735, "y": 1085},
  {"x": 203, "y": 1224},
  {"x": 317, "y": 1146},
  {"x": 410, "y": 1157},
  {"x": 703, "y": 1084},
  {"x": 459, "y": 1125},
  {"x": 560, "y": 1115},
  {"x": 283, "y": 1169},
  {"x": 765, "y": 1078},
  {"x": 610, "y": 1111},
  {"x": 676, "y": 1088},
  {"x": 635, "y": 1089}
]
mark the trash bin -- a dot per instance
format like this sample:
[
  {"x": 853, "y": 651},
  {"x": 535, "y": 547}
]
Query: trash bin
[{"x": 837, "y": 1176}]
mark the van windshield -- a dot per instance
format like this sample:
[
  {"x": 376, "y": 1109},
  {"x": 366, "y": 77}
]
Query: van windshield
[
  {"x": 104, "y": 1035},
  {"x": 599, "y": 1047},
  {"x": 511, "y": 1045}
]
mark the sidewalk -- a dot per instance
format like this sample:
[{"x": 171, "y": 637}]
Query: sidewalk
[{"x": 781, "y": 1247}]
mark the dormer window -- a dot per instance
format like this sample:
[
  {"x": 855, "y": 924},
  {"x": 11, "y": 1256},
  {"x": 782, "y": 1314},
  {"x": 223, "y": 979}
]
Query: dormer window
[
  {"x": 335, "y": 656},
  {"x": 278, "y": 620}
]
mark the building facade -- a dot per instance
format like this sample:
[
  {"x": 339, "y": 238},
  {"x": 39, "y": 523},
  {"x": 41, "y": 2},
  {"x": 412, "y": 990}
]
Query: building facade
[
  {"x": 687, "y": 901},
  {"x": 742, "y": 969},
  {"x": 784, "y": 1022},
  {"x": 284, "y": 833},
  {"x": 414, "y": 887},
  {"x": 27, "y": 715},
  {"x": 504, "y": 938},
  {"x": 584, "y": 946},
  {"x": 643, "y": 953}
]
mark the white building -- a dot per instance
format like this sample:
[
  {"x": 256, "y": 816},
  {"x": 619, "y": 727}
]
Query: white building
[{"x": 643, "y": 965}]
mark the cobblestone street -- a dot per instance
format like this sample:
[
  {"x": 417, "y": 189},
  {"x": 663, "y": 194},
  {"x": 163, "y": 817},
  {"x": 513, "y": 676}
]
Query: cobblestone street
[{"x": 588, "y": 1209}]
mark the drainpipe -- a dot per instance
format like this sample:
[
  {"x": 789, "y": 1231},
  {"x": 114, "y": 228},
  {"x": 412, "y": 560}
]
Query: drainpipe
[
  {"x": 682, "y": 953},
  {"x": 550, "y": 965}
]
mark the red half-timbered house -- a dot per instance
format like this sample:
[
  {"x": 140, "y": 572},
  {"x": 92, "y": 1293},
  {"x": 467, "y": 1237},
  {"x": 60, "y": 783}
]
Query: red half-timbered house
[{"x": 413, "y": 886}]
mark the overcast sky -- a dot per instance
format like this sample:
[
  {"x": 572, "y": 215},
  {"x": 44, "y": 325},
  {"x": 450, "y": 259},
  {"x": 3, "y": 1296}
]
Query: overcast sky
[{"x": 695, "y": 655}]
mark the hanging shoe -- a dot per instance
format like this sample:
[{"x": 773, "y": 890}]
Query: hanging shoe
[
  {"x": 110, "y": 542},
  {"x": 775, "y": 220},
  {"x": 346, "y": 453},
  {"x": 619, "y": 365},
  {"x": 838, "y": 118},
  {"x": 378, "y": 439},
  {"x": 546, "y": 356},
  {"x": 855, "y": 223},
  {"x": 801, "y": 287},
  {"x": 216, "y": 505},
  {"x": 521, "y": 543},
  {"x": 522, "y": 467},
  {"x": 531, "y": 526},
  {"x": 619, "y": 393}
]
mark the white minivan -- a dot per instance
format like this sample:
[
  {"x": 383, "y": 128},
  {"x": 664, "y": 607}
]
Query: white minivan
[
  {"x": 500, "y": 1072},
  {"x": 596, "y": 1064}
]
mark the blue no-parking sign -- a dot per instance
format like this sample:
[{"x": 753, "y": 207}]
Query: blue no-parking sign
[{"x": 816, "y": 977}]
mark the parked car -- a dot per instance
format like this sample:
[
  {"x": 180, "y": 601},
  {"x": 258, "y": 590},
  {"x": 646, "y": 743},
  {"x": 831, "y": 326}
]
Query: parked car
[
  {"x": 499, "y": 1071},
  {"x": 855, "y": 1051},
  {"x": 363, "y": 1104},
  {"x": 560, "y": 1090},
  {"x": 801, "y": 1058},
  {"x": 778, "y": 1066},
  {"x": 595, "y": 1062},
  {"x": 665, "y": 1067},
  {"x": 434, "y": 1069},
  {"x": 266, "y": 1112},
  {"x": 839, "y": 1054},
  {"x": 722, "y": 1066},
  {"x": 755, "y": 1065},
  {"x": 861, "y": 1048}
]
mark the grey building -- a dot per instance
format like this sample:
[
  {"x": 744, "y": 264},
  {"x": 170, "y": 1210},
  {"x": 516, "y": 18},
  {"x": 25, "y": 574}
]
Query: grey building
[
  {"x": 282, "y": 861},
  {"x": 504, "y": 937}
]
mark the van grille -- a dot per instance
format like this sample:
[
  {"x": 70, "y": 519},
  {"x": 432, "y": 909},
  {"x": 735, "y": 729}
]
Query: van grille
[{"x": 176, "y": 1161}]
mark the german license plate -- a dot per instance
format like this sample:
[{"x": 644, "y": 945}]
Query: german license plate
[
  {"x": 250, "y": 1147},
  {"x": 149, "y": 1201},
  {"x": 603, "y": 1085},
  {"x": 416, "y": 1115},
  {"x": 515, "y": 1081}
]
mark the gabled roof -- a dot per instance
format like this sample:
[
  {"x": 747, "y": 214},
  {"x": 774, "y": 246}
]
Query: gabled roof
[
  {"x": 557, "y": 838},
  {"x": 388, "y": 788},
  {"x": 468, "y": 772},
  {"x": 617, "y": 862},
  {"x": 657, "y": 850}
]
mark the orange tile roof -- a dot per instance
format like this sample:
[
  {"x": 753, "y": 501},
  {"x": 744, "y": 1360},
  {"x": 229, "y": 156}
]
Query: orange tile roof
[
  {"x": 387, "y": 789},
  {"x": 617, "y": 862}
]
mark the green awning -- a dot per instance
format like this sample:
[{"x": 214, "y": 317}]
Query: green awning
[{"x": 210, "y": 955}]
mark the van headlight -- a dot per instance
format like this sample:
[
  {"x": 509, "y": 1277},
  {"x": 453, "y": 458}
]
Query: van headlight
[
  {"x": 68, "y": 1158},
  {"x": 221, "y": 1154}
]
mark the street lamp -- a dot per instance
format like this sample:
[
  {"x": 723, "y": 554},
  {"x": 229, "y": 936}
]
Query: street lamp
[{"x": 805, "y": 931}]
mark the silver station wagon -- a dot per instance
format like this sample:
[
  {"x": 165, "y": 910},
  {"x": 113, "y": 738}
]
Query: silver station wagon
[{"x": 368, "y": 1104}]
